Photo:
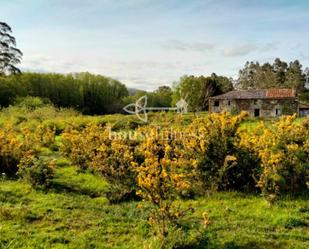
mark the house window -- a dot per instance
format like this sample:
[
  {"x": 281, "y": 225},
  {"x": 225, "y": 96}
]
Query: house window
[
  {"x": 256, "y": 112},
  {"x": 229, "y": 103},
  {"x": 217, "y": 103},
  {"x": 278, "y": 112}
]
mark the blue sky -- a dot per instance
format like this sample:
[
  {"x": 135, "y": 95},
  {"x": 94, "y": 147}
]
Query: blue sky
[{"x": 147, "y": 43}]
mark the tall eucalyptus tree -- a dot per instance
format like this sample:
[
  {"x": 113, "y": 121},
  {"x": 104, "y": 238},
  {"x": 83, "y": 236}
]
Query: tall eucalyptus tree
[{"x": 10, "y": 56}]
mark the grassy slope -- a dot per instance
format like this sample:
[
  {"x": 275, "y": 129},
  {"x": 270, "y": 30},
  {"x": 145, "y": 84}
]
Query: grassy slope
[{"x": 74, "y": 214}]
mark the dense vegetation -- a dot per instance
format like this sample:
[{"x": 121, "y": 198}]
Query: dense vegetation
[
  {"x": 161, "y": 97},
  {"x": 91, "y": 94},
  {"x": 171, "y": 168},
  {"x": 197, "y": 90},
  {"x": 280, "y": 74}
]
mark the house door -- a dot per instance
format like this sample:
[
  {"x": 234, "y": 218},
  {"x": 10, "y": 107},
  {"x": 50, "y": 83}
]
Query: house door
[{"x": 256, "y": 112}]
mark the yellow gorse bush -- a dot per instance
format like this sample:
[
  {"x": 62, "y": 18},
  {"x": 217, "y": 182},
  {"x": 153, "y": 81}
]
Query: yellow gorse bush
[
  {"x": 283, "y": 151},
  {"x": 211, "y": 143},
  {"x": 113, "y": 160},
  {"x": 20, "y": 153},
  {"x": 10, "y": 150},
  {"x": 93, "y": 148},
  {"x": 80, "y": 145},
  {"x": 38, "y": 137},
  {"x": 164, "y": 159},
  {"x": 165, "y": 171}
]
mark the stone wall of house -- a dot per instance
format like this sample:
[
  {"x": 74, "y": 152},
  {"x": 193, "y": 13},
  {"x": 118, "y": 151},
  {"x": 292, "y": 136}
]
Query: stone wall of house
[
  {"x": 223, "y": 105},
  {"x": 268, "y": 107},
  {"x": 260, "y": 107}
]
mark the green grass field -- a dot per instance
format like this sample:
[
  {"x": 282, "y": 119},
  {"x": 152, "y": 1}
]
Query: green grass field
[{"x": 75, "y": 214}]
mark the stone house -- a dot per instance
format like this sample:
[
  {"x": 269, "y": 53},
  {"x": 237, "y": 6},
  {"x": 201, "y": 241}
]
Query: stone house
[{"x": 258, "y": 103}]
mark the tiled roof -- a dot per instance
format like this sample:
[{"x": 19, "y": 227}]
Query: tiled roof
[
  {"x": 258, "y": 94},
  {"x": 280, "y": 93}
]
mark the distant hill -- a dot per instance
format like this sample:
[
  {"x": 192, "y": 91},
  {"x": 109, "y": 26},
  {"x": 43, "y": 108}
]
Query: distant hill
[{"x": 132, "y": 91}]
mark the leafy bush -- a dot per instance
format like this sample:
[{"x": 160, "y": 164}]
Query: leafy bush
[
  {"x": 126, "y": 124},
  {"x": 15, "y": 145},
  {"x": 283, "y": 149},
  {"x": 244, "y": 172},
  {"x": 212, "y": 144},
  {"x": 38, "y": 171},
  {"x": 10, "y": 150},
  {"x": 93, "y": 148},
  {"x": 31, "y": 103},
  {"x": 21, "y": 156},
  {"x": 79, "y": 145},
  {"x": 165, "y": 171},
  {"x": 113, "y": 160}
]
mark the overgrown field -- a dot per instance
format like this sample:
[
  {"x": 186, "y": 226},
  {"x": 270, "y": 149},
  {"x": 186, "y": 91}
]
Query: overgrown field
[{"x": 180, "y": 181}]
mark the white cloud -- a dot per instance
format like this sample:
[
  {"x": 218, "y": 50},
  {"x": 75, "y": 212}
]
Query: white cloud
[
  {"x": 239, "y": 50},
  {"x": 271, "y": 46},
  {"x": 244, "y": 49},
  {"x": 47, "y": 63},
  {"x": 187, "y": 46}
]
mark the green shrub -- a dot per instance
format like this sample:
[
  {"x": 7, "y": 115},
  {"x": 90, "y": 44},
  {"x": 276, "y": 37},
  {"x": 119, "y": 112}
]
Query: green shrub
[
  {"x": 242, "y": 175},
  {"x": 38, "y": 171},
  {"x": 10, "y": 151},
  {"x": 216, "y": 160},
  {"x": 31, "y": 103},
  {"x": 92, "y": 148},
  {"x": 283, "y": 150},
  {"x": 294, "y": 222}
]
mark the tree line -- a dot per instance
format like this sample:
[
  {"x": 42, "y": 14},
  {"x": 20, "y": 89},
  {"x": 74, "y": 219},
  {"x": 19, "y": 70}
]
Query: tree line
[
  {"x": 279, "y": 74},
  {"x": 97, "y": 94},
  {"x": 88, "y": 93}
]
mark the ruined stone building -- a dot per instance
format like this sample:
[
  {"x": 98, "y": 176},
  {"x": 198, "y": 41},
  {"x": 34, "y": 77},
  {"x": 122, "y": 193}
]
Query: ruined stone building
[{"x": 259, "y": 103}]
